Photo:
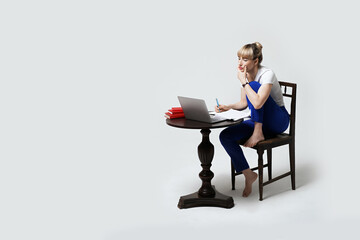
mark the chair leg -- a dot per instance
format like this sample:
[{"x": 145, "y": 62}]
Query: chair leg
[
  {"x": 269, "y": 161},
  {"x": 292, "y": 163},
  {"x": 232, "y": 176},
  {"x": 260, "y": 171}
]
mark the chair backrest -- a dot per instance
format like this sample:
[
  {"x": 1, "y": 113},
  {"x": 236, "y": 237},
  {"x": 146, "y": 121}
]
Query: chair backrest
[{"x": 289, "y": 90}]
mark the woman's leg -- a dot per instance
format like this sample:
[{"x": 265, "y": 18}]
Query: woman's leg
[
  {"x": 269, "y": 120},
  {"x": 228, "y": 139},
  {"x": 250, "y": 178},
  {"x": 257, "y": 115},
  {"x": 257, "y": 135}
]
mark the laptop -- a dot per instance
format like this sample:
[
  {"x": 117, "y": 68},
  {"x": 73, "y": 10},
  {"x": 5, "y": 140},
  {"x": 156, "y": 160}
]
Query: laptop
[{"x": 195, "y": 109}]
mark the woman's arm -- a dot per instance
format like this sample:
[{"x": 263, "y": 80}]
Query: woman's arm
[
  {"x": 242, "y": 104},
  {"x": 258, "y": 99}
]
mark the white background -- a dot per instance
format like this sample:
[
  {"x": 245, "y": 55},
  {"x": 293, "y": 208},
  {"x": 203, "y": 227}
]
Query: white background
[{"x": 85, "y": 151}]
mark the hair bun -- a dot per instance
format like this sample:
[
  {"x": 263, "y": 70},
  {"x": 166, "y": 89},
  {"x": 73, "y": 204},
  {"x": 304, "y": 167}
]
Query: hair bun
[{"x": 258, "y": 45}]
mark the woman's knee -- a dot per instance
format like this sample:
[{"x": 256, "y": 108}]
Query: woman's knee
[
  {"x": 255, "y": 85},
  {"x": 237, "y": 132},
  {"x": 224, "y": 135}
]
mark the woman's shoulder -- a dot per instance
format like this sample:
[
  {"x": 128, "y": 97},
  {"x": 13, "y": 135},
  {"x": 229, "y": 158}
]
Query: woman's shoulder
[
  {"x": 265, "y": 73},
  {"x": 262, "y": 70}
]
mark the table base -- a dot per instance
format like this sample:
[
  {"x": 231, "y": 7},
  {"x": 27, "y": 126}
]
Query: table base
[{"x": 194, "y": 200}]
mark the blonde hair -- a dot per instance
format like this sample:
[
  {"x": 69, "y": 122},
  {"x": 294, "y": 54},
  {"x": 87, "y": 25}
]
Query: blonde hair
[{"x": 251, "y": 51}]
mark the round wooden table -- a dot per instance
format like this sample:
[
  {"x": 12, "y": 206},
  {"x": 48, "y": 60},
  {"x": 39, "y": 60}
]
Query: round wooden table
[{"x": 207, "y": 195}]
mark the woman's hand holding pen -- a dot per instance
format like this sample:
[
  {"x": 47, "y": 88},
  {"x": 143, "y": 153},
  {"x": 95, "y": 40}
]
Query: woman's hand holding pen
[{"x": 222, "y": 108}]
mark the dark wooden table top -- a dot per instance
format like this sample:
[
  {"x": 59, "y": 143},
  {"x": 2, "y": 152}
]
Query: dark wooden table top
[{"x": 191, "y": 124}]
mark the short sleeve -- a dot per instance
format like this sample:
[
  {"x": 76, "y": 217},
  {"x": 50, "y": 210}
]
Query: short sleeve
[{"x": 268, "y": 77}]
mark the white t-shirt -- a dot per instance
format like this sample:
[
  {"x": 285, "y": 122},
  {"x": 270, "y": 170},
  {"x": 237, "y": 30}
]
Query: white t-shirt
[{"x": 267, "y": 76}]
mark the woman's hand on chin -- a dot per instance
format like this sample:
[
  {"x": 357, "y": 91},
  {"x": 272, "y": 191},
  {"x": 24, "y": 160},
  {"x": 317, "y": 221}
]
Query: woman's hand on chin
[{"x": 242, "y": 75}]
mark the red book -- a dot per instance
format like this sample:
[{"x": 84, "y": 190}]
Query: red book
[
  {"x": 170, "y": 115},
  {"x": 176, "y": 110}
]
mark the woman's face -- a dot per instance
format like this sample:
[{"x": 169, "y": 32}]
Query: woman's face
[{"x": 248, "y": 63}]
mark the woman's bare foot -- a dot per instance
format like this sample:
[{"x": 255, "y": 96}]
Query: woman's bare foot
[
  {"x": 250, "y": 178},
  {"x": 256, "y": 137}
]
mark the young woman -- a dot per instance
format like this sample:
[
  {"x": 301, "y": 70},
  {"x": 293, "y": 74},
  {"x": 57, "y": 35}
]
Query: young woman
[{"x": 260, "y": 91}]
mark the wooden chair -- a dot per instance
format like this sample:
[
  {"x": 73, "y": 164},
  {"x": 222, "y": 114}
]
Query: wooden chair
[{"x": 269, "y": 144}]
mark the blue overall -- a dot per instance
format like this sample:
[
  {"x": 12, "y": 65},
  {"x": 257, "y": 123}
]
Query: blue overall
[{"x": 275, "y": 120}]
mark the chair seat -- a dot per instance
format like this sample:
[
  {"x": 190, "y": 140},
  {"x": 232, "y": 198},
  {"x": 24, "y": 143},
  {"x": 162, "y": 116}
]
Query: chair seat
[{"x": 279, "y": 140}]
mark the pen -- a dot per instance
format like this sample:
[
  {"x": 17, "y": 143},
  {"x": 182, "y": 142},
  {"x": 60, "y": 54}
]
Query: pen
[{"x": 217, "y": 102}]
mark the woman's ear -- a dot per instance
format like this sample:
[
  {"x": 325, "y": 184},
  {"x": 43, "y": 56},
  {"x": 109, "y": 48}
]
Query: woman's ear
[{"x": 256, "y": 61}]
